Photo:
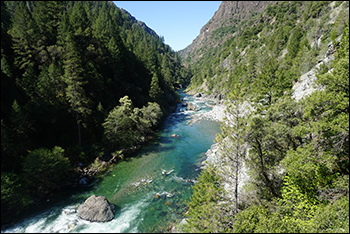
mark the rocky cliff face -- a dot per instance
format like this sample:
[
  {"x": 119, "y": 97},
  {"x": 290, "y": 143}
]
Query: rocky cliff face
[{"x": 229, "y": 14}]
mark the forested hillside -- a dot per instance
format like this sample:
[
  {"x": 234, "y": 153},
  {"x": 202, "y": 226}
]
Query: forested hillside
[
  {"x": 79, "y": 80},
  {"x": 284, "y": 167}
]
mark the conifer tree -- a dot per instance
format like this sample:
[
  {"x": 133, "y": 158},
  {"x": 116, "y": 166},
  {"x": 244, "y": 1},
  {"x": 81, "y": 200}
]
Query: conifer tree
[
  {"x": 232, "y": 147},
  {"x": 78, "y": 19},
  {"x": 24, "y": 35},
  {"x": 266, "y": 84},
  {"x": 73, "y": 77},
  {"x": 155, "y": 91},
  {"x": 205, "y": 214},
  {"x": 47, "y": 15},
  {"x": 104, "y": 28}
]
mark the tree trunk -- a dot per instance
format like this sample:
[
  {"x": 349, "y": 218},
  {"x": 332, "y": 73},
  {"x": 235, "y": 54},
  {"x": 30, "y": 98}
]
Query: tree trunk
[{"x": 78, "y": 124}]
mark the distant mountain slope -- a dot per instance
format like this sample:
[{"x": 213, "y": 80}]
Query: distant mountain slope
[
  {"x": 222, "y": 25},
  {"x": 243, "y": 36}
]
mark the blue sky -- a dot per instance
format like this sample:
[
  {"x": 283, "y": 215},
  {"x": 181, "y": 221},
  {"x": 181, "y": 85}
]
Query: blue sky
[{"x": 179, "y": 22}]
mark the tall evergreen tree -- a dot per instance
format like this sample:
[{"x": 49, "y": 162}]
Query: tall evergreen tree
[
  {"x": 204, "y": 214},
  {"x": 155, "y": 91},
  {"x": 47, "y": 15},
  {"x": 78, "y": 19},
  {"x": 233, "y": 148},
  {"x": 24, "y": 35},
  {"x": 74, "y": 79}
]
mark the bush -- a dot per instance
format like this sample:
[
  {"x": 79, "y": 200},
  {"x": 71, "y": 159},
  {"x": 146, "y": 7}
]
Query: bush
[
  {"x": 14, "y": 198},
  {"x": 45, "y": 169},
  {"x": 126, "y": 126}
]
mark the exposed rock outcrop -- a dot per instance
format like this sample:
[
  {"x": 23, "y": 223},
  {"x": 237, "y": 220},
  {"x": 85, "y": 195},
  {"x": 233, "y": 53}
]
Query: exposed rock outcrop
[
  {"x": 306, "y": 83},
  {"x": 97, "y": 209},
  {"x": 228, "y": 12}
]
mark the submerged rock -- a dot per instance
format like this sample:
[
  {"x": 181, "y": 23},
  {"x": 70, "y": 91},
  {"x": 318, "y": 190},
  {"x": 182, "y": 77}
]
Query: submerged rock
[{"x": 97, "y": 209}]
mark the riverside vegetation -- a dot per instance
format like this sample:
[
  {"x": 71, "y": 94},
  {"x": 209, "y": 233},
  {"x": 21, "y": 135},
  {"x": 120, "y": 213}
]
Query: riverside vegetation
[
  {"x": 295, "y": 152},
  {"x": 82, "y": 83},
  {"x": 88, "y": 66}
]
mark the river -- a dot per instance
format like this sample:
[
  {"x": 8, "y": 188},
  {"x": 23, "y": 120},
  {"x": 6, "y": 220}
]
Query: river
[{"x": 146, "y": 200}]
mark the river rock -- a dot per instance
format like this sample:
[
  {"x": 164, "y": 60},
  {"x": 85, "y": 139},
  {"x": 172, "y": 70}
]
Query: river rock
[
  {"x": 175, "y": 135},
  {"x": 97, "y": 209},
  {"x": 191, "y": 107}
]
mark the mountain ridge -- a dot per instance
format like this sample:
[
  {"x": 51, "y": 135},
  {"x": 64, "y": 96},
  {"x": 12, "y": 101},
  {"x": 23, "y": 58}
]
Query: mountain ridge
[{"x": 229, "y": 13}]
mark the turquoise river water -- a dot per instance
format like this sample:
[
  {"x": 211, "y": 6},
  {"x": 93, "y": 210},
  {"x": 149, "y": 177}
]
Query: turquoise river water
[{"x": 146, "y": 200}]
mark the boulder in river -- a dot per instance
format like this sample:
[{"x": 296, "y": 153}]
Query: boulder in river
[
  {"x": 191, "y": 107},
  {"x": 175, "y": 135},
  {"x": 97, "y": 209}
]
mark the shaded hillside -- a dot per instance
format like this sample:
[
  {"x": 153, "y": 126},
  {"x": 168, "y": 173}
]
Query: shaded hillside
[{"x": 80, "y": 80}]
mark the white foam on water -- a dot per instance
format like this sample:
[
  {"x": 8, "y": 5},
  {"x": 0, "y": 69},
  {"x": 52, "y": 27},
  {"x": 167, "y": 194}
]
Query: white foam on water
[{"x": 126, "y": 220}]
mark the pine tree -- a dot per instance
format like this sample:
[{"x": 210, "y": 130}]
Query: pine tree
[
  {"x": 73, "y": 77},
  {"x": 231, "y": 139},
  {"x": 155, "y": 91},
  {"x": 205, "y": 214},
  {"x": 47, "y": 15},
  {"x": 104, "y": 28},
  {"x": 78, "y": 19},
  {"x": 24, "y": 35}
]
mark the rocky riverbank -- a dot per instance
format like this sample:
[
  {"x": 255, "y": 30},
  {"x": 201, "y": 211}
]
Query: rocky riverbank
[{"x": 214, "y": 155}]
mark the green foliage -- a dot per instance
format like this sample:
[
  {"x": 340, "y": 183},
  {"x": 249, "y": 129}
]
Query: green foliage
[
  {"x": 119, "y": 127},
  {"x": 24, "y": 36},
  {"x": 293, "y": 45},
  {"x": 151, "y": 115},
  {"x": 333, "y": 217},
  {"x": 64, "y": 66},
  {"x": 14, "y": 197},
  {"x": 126, "y": 125},
  {"x": 46, "y": 169},
  {"x": 204, "y": 214},
  {"x": 268, "y": 84},
  {"x": 248, "y": 220},
  {"x": 339, "y": 25},
  {"x": 299, "y": 151},
  {"x": 155, "y": 91}
]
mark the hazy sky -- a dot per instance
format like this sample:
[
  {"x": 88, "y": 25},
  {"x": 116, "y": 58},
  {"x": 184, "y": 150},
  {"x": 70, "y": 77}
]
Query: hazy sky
[{"x": 179, "y": 22}]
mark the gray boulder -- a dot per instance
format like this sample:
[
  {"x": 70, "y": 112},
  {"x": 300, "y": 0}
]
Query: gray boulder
[{"x": 97, "y": 209}]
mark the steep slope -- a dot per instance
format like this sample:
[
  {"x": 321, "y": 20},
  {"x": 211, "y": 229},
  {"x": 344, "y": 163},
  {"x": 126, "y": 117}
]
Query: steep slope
[
  {"x": 140, "y": 23},
  {"x": 285, "y": 165},
  {"x": 79, "y": 80},
  {"x": 295, "y": 35},
  {"x": 222, "y": 25}
]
